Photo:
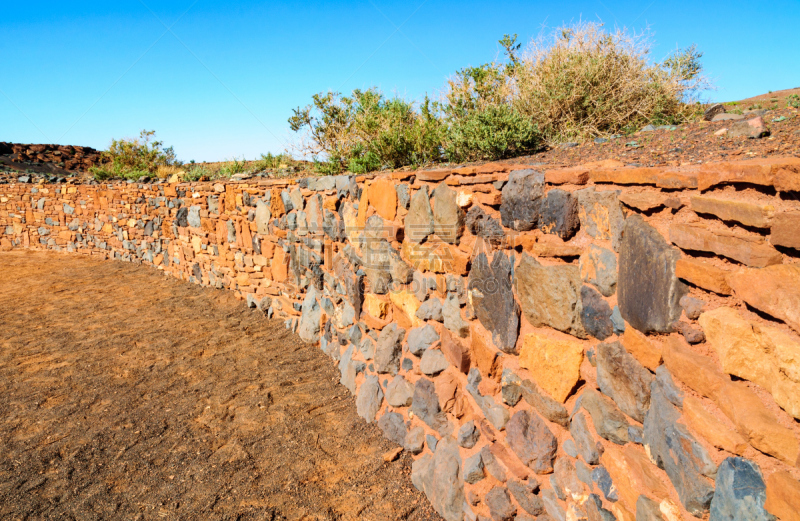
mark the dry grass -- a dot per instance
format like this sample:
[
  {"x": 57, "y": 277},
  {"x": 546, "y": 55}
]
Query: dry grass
[{"x": 164, "y": 171}]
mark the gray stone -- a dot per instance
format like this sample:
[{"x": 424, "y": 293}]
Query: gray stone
[
  {"x": 432, "y": 441},
  {"x": 181, "y": 218},
  {"x": 451, "y": 312},
  {"x": 599, "y": 268},
  {"x": 297, "y": 199},
  {"x": 480, "y": 224},
  {"x": 393, "y": 427},
  {"x": 408, "y": 364},
  {"x": 692, "y": 334},
  {"x": 648, "y": 290},
  {"x": 400, "y": 270},
  {"x": 531, "y": 440},
  {"x": 69, "y": 210},
  {"x": 448, "y": 217},
  {"x": 500, "y": 507},
  {"x": 617, "y": 321},
  {"x": 525, "y": 494},
  {"x": 497, "y": 415},
  {"x": 425, "y": 405},
  {"x": 389, "y": 349},
  {"x": 552, "y": 506},
  {"x": 740, "y": 492},
  {"x": 415, "y": 440},
  {"x": 493, "y": 300},
  {"x": 752, "y": 128},
  {"x": 595, "y": 510},
  {"x": 559, "y": 214},
  {"x": 473, "y": 469},
  {"x": 693, "y": 307},
  {"x": 595, "y": 314},
  {"x": 550, "y": 295},
  {"x": 431, "y": 309},
  {"x": 544, "y": 405},
  {"x": 570, "y": 448},
  {"x": 422, "y": 285},
  {"x": 636, "y": 434},
  {"x": 399, "y": 392},
  {"x": 433, "y": 362},
  {"x": 511, "y": 387},
  {"x": 668, "y": 387},
  {"x": 231, "y": 232},
  {"x": 492, "y": 465},
  {"x": 647, "y": 510},
  {"x": 468, "y": 435},
  {"x": 440, "y": 478},
  {"x": 369, "y": 398},
  {"x": 602, "y": 478},
  {"x": 403, "y": 197},
  {"x": 419, "y": 221},
  {"x": 584, "y": 440},
  {"x": 308, "y": 327},
  {"x": 713, "y": 110},
  {"x": 193, "y": 217},
  {"x": 263, "y": 217},
  {"x": 608, "y": 421},
  {"x": 584, "y": 473},
  {"x": 673, "y": 448},
  {"x": 522, "y": 199},
  {"x": 349, "y": 368},
  {"x": 421, "y": 338},
  {"x": 621, "y": 377},
  {"x": 367, "y": 348},
  {"x": 601, "y": 214}
]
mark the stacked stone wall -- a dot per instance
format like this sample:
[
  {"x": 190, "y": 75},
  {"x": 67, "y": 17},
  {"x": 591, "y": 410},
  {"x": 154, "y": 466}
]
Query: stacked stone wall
[{"x": 596, "y": 342}]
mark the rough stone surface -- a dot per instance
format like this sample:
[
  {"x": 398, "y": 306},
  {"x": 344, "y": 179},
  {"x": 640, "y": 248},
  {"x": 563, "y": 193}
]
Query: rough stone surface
[
  {"x": 554, "y": 364},
  {"x": 595, "y": 314},
  {"x": 676, "y": 451},
  {"x": 749, "y": 214},
  {"x": 762, "y": 354},
  {"x": 389, "y": 349},
  {"x": 421, "y": 338},
  {"x": 739, "y": 493},
  {"x": 308, "y": 328},
  {"x": 473, "y": 469},
  {"x": 349, "y": 368},
  {"x": 500, "y": 507},
  {"x": 440, "y": 478},
  {"x": 399, "y": 392},
  {"x": 525, "y": 494},
  {"x": 774, "y": 290},
  {"x": 531, "y": 440},
  {"x": 393, "y": 427},
  {"x": 648, "y": 290},
  {"x": 608, "y": 421},
  {"x": 552, "y": 506},
  {"x": 468, "y": 435},
  {"x": 448, "y": 217},
  {"x": 419, "y": 221},
  {"x": 600, "y": 214},
  {"x": 584, "y": 440},
  {"x": 559, "y": 214},
  {"x": 522, "y": 200},
  {"x": 544, "y": 405},
  {"x": 482, "y": 225},
  {"x": 783, "y": 495},
  {"x": 784, "y": 230},
  {"x": 431, "y": 309},
  {"x": 647, "y": 510},
  {"x": 550, "y": 295},
  {"x": 711, "y": 429},
  {"x": 369, "y": 398},
  {"x": 645, "y": 351},
  {"x": 599, "y": 268},
  {"x": 451, "y": 312},
  {"x": 433, "y": 362},
  {"x": 703, "y": 275},
  {"x": 493, "y": 301},
  {"x": 750, "y": 251},
  {"x": 624, "y": 379},
  {"x": 425, "y": 404}
]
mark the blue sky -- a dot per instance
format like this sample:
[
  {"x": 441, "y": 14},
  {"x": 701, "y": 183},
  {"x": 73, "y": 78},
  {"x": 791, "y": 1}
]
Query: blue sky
[{"x": 219, "y": 80}]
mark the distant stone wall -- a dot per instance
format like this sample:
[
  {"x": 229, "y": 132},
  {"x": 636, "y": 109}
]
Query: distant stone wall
[{"x": 594, "y": 342}]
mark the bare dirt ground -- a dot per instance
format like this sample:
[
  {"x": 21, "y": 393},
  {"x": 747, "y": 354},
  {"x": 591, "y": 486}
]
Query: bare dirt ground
[{"x": 129, "y": 395}]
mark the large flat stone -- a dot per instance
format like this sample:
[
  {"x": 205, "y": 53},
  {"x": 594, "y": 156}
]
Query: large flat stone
[
  {"x": 531, "y": 440},
  {"x": 784, "y": 230},
  {"x": 750, "y": 251},
  {"x": 749, "y": 214},
  {"x": 550, "y": 295},
  {"x": 703, "y": 275},
  {"x": 608, "y": 420},
  {"x": 783, "y": 495},
  {"x": 559, "y": 214},
  {"x": 601, "y": 215},
  {"x": 599, "y": 268},
  {"x": 774, "y": 290},
  {"x": 648, "y": 290},
  {"x": 490, "y": 292}
]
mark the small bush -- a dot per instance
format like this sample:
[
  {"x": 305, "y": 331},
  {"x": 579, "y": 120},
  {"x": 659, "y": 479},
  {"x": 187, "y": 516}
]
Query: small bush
[{"x": 134, "y": 158}]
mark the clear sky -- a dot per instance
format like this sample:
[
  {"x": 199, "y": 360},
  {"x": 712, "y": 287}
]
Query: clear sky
[{"x": 218, "y": 80}]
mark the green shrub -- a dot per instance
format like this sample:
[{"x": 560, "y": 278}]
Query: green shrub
[
  {"x": 134, "y": 158},
  {"x": 493, "y": 132}
]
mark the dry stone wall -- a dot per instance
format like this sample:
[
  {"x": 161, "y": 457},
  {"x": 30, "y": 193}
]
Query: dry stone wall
[{"x": 598, "y": 342}]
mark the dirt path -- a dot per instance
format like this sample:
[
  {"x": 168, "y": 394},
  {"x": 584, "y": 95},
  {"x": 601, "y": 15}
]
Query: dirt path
[{"x": 129, "y": 395}]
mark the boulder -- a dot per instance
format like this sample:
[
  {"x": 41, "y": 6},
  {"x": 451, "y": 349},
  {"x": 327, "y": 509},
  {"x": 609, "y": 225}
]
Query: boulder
[
  {"x": 522, "y": 200},
  {"x": 595, "y": 314},
  {"x": 601, "y": 214},
  {"x": 775, "y": 290},
  {"x": 419, "y": 221},
  {"x": 369, "y": 398},
  {"x": 599, "y": 268},
  {"x": 389, "y": 349},
  {"x": 559, "y": 214},
  {"x": 439, "y": 477},
  {"x": 739, "y": 493},
  {"x": 393, "y": 427},
  {"x": 448, "y": 217},
  {"x": 554, "y": 364},
  {"x": 531, "y": 440},
  {"x": 625, "y": 380},
  {"x": 491, "y": 296}
]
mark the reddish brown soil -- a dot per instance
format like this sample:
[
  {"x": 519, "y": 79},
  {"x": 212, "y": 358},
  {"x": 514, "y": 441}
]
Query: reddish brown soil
[{"x": 129, "y": 395}]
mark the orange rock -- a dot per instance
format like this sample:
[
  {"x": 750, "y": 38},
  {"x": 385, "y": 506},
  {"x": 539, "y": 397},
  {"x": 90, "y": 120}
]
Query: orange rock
[
  {"x": 363, "y": 206},
  {"x": 484, "y": 353},
  {"x": 633, "y": 474},
  {"x": 751, "y": 251},
  {"x": 638, "y": 345},
  {"x": 762, "y": 171},
  {"x": 489, "y": 199},
  {"x": 511, "y": 462},
  {"x": 383, "y": 197},
  {"x": 375, "y": 306},
  {"x": 774, "y": 290},
  {"x": 783, "y": 496},
  {"x": 433, "y": 175},
  {"x": 280, "y": 265},
  {"x": 697, "y": 371},
  {"x": 757, "y": 215},
  {"x": 446, "y": 385},
  {"x": 554, "y": 364},
  {"x": 761, "y": 428},
  {"x": 567, "y": 176},
  {"x": 455, "y": 351},
  {"x": 703, "y": 275},
  {"x": 785, "y": 228},
  {"x": 276, "y": 208},
  {"x": 710, "y": 428},
  {"x": 407, "y": 304}
]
